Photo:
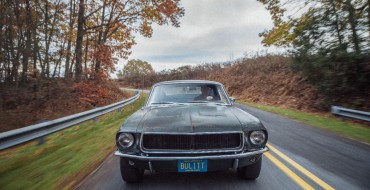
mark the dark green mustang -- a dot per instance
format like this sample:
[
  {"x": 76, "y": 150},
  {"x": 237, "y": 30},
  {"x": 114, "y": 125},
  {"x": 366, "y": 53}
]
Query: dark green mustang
[{"x": 190, "y": 126}]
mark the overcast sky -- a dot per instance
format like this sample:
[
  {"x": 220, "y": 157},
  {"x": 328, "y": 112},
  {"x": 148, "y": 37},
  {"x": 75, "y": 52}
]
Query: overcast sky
[{"x": 210, "y": 31}]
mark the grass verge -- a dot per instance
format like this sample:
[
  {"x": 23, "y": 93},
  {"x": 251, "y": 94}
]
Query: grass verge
[
  {"x": 66, "y": 157},
  {"x": 348, "y": 129}
]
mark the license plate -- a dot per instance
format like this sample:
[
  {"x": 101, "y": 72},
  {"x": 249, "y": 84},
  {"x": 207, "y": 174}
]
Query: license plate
[{"x": 192, "y": 165}]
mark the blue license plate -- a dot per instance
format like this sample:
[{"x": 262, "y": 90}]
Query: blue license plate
[{"x": 192, "y": 165}]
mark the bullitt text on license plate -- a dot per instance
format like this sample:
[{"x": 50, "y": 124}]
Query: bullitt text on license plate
[{"x": 192, "y": 165}]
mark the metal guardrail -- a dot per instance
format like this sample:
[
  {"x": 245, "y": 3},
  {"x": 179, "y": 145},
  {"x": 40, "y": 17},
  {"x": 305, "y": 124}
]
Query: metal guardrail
[
  {"x": 133, "y": 89},
  {"x": 25, "y": 134},
  {"x": 341, "y": 111}
]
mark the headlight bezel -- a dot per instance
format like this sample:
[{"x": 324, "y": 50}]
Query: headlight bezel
[
  {"x": 252, "y": 135},
  {"x": 125, "y": 145}
]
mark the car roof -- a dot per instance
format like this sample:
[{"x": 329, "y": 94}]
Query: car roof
[{"x": 187, "y": 81}]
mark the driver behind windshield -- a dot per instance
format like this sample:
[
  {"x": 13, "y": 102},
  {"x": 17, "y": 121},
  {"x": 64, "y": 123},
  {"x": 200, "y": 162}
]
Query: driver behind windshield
[{"x": 205, "y": 93}]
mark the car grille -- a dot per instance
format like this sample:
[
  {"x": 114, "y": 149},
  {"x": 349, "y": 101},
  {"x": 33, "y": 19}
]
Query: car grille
[{"x": 192, "y": 142}]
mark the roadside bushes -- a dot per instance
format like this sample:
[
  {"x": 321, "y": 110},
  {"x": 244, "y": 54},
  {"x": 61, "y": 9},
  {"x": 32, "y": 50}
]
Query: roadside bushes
[{"x": 341, "y": 77}]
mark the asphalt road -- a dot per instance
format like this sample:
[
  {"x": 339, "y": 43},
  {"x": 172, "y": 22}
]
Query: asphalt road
[{"x": 301, "y": 157}]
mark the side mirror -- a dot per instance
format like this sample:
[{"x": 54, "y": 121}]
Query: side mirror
[{"x": 232, "y": 99}]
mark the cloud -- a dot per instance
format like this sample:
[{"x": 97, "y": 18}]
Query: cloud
[{"x": 210, "y": 31}]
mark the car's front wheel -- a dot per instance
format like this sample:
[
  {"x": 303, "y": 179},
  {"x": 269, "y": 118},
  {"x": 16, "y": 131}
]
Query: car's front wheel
[
  {"x": 252, "y": 171},
  {"x": 130, "y": 174}
]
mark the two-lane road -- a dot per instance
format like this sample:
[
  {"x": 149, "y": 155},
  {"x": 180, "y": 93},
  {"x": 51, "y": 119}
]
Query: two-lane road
[{"x": 301, "y": 157}]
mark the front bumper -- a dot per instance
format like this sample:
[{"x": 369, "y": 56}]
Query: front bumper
[
  {"x": 166, "y": 163},
  {"x": 172, "y": 158}
]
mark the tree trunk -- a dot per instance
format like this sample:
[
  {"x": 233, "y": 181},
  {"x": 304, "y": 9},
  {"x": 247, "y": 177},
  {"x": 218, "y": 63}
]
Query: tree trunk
[
  {"x": 79, "y": 40},
  {"x": 337, "y": 24},
  {"x": 2, "y": 46},
  {"x": 368, "y": 17},
  {"x": 67, "y": 71},
  {"x": 68, "y": 58},
  {"x": 98, "y": 62},
  {"x": 59, "y": 61},
  {"x": 27, "y": 51},
  {"x": 86, "y": 51},
  {"x": 353, "y": 23},
  {"x": 49, "y": 33},
  {"x": 46, "y": 38},
  {"x": 14, "y": 56},
  {"x": 35, "y": 45}
]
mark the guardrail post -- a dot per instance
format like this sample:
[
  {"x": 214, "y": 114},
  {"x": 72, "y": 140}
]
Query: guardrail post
[
  {"x": 342, "y": 118},
  {"x": 41, "y": 140},
  {"x": 96, "y": 119}
]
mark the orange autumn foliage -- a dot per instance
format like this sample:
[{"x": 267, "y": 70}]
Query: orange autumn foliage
[{"x": 97, "y": 93}]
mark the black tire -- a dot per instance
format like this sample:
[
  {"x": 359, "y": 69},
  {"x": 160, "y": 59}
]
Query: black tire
[
  {"x": 252, "y": 171},
  {"x": 130, "y": 174}
]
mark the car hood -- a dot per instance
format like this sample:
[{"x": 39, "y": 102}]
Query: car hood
[{"x": 191, "y": 119}]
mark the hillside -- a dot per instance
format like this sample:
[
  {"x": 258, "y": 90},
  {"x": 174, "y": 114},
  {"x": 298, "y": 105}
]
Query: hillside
[
  {"x": 42, "y": 100},
  {"x": 268, "y": 80}
]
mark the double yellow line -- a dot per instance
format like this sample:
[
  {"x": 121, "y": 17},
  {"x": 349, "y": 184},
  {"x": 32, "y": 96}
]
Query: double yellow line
[{"x": 293, "y": 175}]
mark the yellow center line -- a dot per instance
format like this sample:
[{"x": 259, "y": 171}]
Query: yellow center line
[
  {"x": 301, "y": 169},
  {"x": 288, "y": 172}
]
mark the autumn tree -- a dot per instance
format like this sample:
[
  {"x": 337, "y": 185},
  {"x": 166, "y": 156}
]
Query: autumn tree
[
  {"x": 137, "y": 67},
  {"x": 50, "y": 47},
  {"x": 15, "y": 29},
  {"x": 328, "y": 39},
  {"x": 136, "y": 72},
  {"x": 113, "y": 24},
  {"x": 44, "y": 39},
  {"x": 336, "y": 23}
]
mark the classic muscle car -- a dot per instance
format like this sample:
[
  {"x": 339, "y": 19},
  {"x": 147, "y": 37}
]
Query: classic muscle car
[{"x": 190, "y": 126}]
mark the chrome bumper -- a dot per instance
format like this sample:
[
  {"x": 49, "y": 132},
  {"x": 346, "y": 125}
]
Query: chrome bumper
[{"x": 215, "y": 157}]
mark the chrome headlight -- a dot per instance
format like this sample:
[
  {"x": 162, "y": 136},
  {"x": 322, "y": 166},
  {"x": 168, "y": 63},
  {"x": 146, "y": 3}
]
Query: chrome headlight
[
  {"x": 125, "y": 140},
  {"x": 257, "y": 137}
]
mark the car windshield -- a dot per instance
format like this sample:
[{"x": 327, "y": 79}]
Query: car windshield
[{"x": 187, "y": 93}]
